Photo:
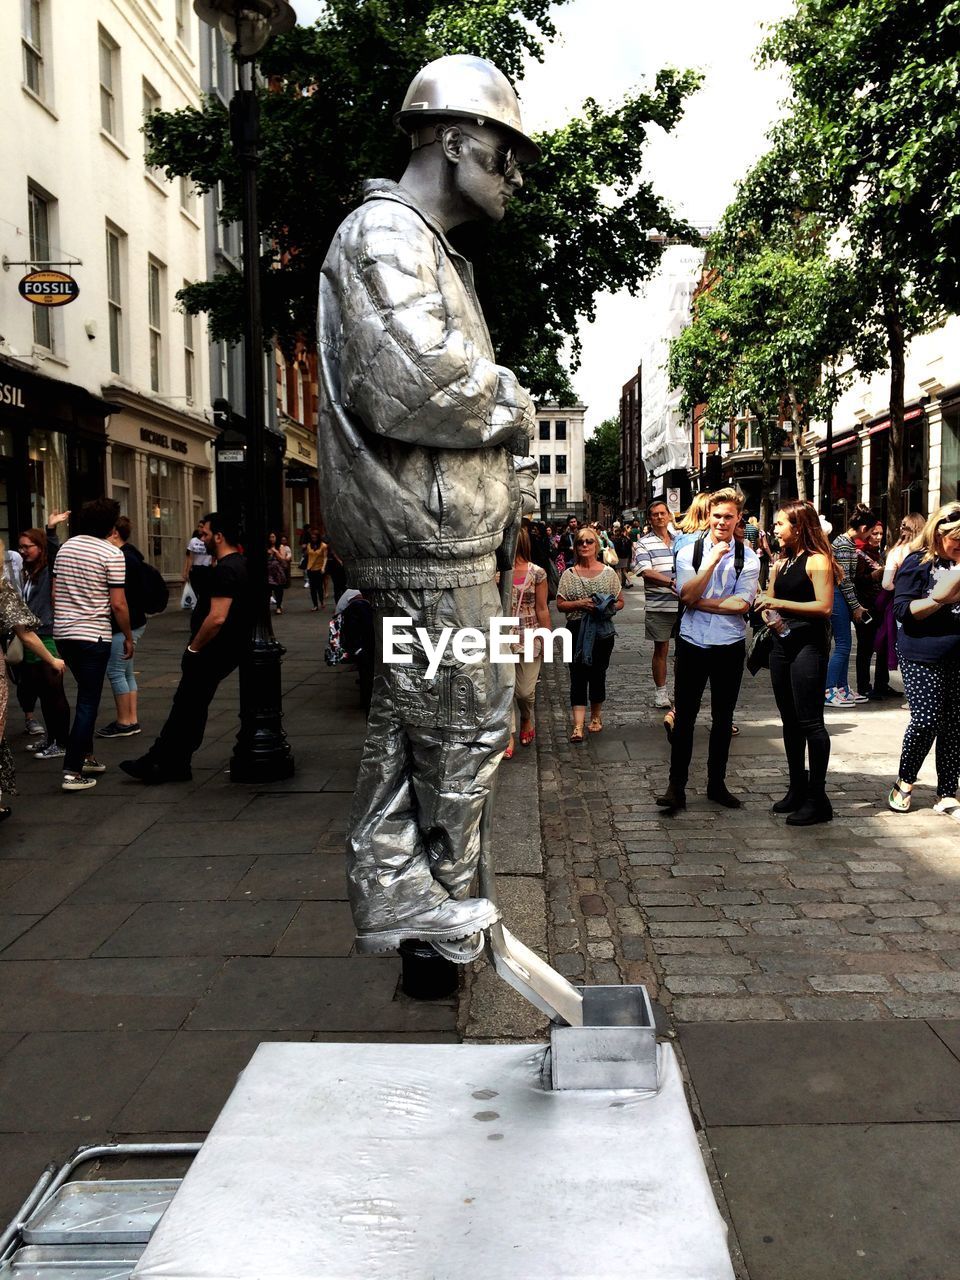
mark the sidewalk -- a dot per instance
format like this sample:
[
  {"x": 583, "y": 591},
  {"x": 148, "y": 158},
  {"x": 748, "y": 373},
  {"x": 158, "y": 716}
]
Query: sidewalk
[{"x": 150, "y": 938}]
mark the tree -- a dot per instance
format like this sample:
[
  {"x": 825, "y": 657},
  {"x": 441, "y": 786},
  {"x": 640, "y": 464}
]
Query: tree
[
  {"x": 601, "y": 462},
  {"x": 325, "y": 123},
  {"x": 870, "y": 143}
]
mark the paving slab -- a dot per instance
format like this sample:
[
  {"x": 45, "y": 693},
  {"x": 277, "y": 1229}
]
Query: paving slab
[
  {"x": 291, "y": 876},
  {"x": 74, "y": 1079},
  {"x": 223, "y": 838},
  {"x": 70, "y": 932},
  {"x": 843, "y": 1202},
  {"x": 825, "y": 1072},
  {"x": 23, "y": 1157},
  {"x": 137, "y": 879},
  {"x": 46, "y": 882},
  {"x": 11, "y": 927},
  {"x": 949, "y": 1032},
  {"x": 298, "y": 994},
  {"x": 101, "y": 995},
  {"x": 201, "y": 929},
  {"x": 319, "y": 929}
]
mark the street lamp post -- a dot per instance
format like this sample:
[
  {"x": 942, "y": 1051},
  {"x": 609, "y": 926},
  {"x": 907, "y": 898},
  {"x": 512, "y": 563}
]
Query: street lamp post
[{"x": 261, "y": 752}]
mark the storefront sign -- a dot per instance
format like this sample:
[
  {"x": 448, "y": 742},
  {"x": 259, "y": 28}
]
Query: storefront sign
[
  {"x": 230, "y": 455},
  {"x": 161, "y": 441},
  {"x": 49, "y": 288},
  {"x": 12, "y": 396}
]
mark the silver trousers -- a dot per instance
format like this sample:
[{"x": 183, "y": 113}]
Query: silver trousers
[{"x": 430, "y": 756}]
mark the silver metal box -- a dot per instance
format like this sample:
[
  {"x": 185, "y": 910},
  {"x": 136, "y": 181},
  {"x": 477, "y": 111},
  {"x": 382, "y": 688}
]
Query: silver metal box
[{"x": 616, "y": 1048}]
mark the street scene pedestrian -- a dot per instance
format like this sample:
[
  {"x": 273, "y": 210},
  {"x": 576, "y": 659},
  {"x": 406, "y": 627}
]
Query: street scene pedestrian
[
  {"x": 38, "y": 681},
  {"x": 120, "y": 672},
  {"x": 590, "y": 595},
  {"x": 654, "y": 563},
  {"x": 529, "y": 604},
  {"x": 848, "y": 610}
]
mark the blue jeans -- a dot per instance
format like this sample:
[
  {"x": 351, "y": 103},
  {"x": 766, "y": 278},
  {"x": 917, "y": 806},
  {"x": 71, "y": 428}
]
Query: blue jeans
[
  {"x": 120, "y": 669},
  {"x": 838, "y": 668},
  {"x": 87, "y": 660}
]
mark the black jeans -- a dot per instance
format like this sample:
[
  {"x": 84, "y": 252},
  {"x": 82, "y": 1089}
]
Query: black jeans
[
  {"x": 798, "y": 670},
  {"x": 866, "y": 646},
  {"x": 40, "y": 680},
  {"x": 315, "y": 578},
  {"x": 87, "y": 660},
  {"x": 720, "y": 665},
  {"x": 588, "y": 683},
  {"x": 186, "y": 724}
]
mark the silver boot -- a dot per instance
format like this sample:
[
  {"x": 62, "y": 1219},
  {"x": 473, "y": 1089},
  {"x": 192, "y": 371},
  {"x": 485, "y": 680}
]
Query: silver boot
[{"x": 448, "y": 922}]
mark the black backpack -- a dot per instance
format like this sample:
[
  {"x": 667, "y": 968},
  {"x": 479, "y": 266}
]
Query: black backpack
[
  {"x": 155, "y": 593},
  {"x": 738, "y": 559}
]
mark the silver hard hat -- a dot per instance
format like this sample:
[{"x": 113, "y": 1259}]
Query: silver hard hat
[{"x": 462, "y": 87}]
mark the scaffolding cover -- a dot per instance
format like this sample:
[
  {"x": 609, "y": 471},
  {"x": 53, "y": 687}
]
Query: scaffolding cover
[{"x": 664, "y": 431}]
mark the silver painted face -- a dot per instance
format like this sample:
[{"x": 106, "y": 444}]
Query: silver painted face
[{"x": 488, "y": 175}]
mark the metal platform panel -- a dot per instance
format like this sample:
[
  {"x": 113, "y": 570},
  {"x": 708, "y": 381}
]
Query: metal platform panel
[
  {"x": 437, "y": 1161},
  {"x": 69, "y": 1262},
  {"x": 112, "y": 1211}
]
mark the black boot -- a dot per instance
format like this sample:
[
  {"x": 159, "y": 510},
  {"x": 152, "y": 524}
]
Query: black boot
[
  {"x": 816, "y": 808},
  {"x": 673, "y": 798},
  {"x": 796, "y": 794},
  {"x": 718, "y": 793}
]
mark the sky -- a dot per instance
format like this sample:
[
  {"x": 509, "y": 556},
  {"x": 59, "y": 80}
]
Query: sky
[{"x": 606, "y": 48}]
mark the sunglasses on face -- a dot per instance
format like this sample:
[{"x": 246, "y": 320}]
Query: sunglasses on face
[
  {"x": 586, "y": 542},
  {"x": 507, "y": 164}
]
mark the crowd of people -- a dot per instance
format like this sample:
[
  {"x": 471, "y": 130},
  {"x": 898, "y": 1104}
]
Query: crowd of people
[{"x": 729, "y": 594}]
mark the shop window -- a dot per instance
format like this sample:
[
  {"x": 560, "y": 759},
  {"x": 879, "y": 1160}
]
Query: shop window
[
  {"x": 914, "y": 479},
  {"x": 109, "y": 83},
  {"x": 47, "y": 475},
  {"x": 166, "y": 529},
  {"x": 950, "y": 455}
]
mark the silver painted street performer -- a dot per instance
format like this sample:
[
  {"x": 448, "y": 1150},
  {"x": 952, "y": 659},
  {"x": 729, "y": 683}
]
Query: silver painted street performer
[{"x": 420, "y": 431}]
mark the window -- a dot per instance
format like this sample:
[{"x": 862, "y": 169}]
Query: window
[
  {"x": 109, "y": 84},
  {"x": 115, "y": 299},
  {"x": 544, "y": 464},
  {"x": 220, "y": 65},
  {"x": 121, "y": 475},
  {"x": 228, "y": 233},
  {"x": 561, "y": 464},
  {"x": 189, "y": 355},
  {"x": 561, "y": 427},
  {"x": 561, "y": 497},
  {"x": 165, "y": 484},
  {"x": 544, "y": 499},
  {"x": 182, "y": 17},
  {"x": 151, "y": 104},
  {"x": 32, "y": 40},
  {"x": 544, "y": 425},
  {"x": 155, "y": 322},
  {"x": 188, "y": 196},
  {"x": 40, "y": 253}
]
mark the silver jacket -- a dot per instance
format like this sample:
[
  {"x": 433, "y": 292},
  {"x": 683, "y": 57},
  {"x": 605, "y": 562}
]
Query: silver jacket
[{"x": 419, "y": 426}]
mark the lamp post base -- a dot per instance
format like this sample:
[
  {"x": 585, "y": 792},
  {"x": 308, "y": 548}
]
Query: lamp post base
[{"x": 261, "y": 752}]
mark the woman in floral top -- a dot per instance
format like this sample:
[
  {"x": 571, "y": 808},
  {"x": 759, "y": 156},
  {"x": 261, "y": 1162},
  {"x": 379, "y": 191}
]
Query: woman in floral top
[{"x": 529, "y": 604}]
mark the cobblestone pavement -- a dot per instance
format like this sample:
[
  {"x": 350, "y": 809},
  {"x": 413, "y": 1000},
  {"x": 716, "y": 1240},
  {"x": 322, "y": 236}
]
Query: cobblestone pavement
[{"x": 732, "y": 915}]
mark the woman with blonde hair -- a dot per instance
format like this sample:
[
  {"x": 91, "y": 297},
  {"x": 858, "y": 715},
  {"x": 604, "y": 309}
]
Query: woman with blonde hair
[
  {"x": 694, "y": 522},
  {"x": 911, "y": 527},
  {"x": 590, "y": 592},
  {"x": 926, "y": 602},
  {"x": 797, "y": 607}
]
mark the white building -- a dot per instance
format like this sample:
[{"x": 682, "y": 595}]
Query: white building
[
  {"x": 109, "y": 392},
  {"x": 558, "y": 449}
]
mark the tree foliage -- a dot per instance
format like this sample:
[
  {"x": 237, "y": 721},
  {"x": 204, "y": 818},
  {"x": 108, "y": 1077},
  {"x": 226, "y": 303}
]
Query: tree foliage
[
  {"x": 869, "y": 149},
  {"x": 326, "y": 127},
  {"x": 601, "y": 457}
]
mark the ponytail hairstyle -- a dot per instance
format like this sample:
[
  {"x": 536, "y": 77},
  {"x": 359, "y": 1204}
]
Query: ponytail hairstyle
[
  {"x": 810, "y": 535},
  {"x": 863, "y": 518},
  {"x": 914, "y": 522}
]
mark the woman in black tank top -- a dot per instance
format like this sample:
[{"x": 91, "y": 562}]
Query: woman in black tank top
[{"x": 797, "y": 606}]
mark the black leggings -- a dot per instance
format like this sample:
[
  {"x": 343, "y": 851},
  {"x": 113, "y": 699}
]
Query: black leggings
[
  {"x": 866, "y": 645},
  {"x": 315, "y": 578},
  {"x": 589, "y": 683},
  {"x": 798, "y": 670}
]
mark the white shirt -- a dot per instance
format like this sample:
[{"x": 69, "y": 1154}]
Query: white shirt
[{"x": 705, "y": 629}]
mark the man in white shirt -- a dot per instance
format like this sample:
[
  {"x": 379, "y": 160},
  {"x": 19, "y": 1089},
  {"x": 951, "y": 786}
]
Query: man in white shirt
[{"x": 717, "y": 579}]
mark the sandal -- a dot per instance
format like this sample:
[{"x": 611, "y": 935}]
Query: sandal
[
  {"x": 734, "y": 730},
  {"x": 948, "y": 805},
  {"x": 527, "y": 736},
  {"x": 900, "y": 798},
  {"x": 508, "y": 754},
  {"x": 596, "y": 724},
  {"x": 577, "y": 734}
]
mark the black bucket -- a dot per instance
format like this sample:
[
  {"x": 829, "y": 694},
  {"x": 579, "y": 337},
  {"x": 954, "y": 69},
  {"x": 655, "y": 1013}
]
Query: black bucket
[{"x": 427, "y": 975}]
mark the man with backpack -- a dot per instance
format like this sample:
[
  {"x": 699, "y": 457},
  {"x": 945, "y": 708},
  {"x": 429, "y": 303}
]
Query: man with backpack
[{"x": 717, "y": 579}]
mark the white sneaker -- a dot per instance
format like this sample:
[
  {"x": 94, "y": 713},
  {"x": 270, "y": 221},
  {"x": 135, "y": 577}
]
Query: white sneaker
[
  {"x": 949, "y": 806},
  {"x": 77, "y": 782},
  {"x": 661, "y": 697},
  {"x": 855, "y": 697},
  {"x": 839, "y": 698}
]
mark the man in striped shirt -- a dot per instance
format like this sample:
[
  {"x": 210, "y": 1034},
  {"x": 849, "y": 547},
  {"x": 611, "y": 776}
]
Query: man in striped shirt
[{"x": 88, "y": 599}]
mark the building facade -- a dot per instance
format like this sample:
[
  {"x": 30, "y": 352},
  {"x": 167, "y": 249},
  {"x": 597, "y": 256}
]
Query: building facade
[
  {"x": 633, "y": 475},
  {"x": 854, "y": 466},
  {"x": 558, "y": 449},
  {"x": 128, "y": 414},
  {"x": 296, "y": 383}
]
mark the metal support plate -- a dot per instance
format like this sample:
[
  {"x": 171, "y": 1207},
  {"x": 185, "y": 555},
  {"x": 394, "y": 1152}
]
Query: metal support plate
[
  {"x": 70, "y": 1262},
  {"x": 424, "y": 1161},
  {"x": 111, "y": 1211}
]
